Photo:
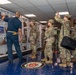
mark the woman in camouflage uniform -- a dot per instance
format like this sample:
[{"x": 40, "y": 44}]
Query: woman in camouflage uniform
[
  {"x": 49, "y": 40},
  {"x": 33, "y": 38},
  {"x": 65, "y": 54}
]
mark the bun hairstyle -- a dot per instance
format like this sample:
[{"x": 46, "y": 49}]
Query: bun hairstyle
[
  {"x": 51, "y": 21},
  {"x": 33, "y": 21},
  {"x": 68, "y": 16}
]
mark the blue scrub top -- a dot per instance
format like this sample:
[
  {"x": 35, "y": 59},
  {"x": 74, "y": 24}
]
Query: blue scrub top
[{"x": 13, "y": 24}]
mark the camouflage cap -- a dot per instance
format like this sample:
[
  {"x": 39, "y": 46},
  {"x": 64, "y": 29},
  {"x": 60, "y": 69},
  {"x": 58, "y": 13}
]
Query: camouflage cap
[
  {"x": 51, "y": 21},
  {"x": 69, "y": 16}
]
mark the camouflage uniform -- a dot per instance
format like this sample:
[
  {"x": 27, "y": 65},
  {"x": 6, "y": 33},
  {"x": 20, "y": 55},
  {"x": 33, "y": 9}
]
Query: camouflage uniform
[
  {"x": 49, "y": 39},
  {"x": 33, "y": 39},
  {"x": 74, "y": 37},
  {"x": 64, "y": 53}
]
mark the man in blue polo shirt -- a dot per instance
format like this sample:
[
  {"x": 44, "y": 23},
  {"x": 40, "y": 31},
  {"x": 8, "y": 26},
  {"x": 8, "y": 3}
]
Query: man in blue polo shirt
[{"x": 14, "y": 29}]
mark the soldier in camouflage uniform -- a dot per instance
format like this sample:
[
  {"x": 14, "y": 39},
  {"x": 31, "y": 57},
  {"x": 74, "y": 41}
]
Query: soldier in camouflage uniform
[
  {"x": 65, "y": 54},
  {"x": 74, "y": 37},
  {"x": 33, "y": 38},
  {"x": 49, "y": 40}
]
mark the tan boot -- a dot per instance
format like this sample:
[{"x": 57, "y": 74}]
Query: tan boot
[
  {"x": 49, "y": 62},
  {"x": 63, "y": 65},
  {"x": 45, "y": 59},
  {"x": 33, "y": 55}
]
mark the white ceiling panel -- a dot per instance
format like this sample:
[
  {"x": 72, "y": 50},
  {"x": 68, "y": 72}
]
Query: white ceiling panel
[
  {"x": 42, "y": 16},
  {"x": 22, "y": 3},
  {"x": 21, "y": 10},
  {"x": 71, "y": 1},
  {"x": 56, "y": 1},
  {"x": 37, "y": 12},
  {"x": 33, "y": 9},
  {"x": 38, "y": 2},
  {"x": 72, "y": 6},
  {"x": 51, "y": 14},
  {"x": 60, "y": 7},
  {"x": 10, "y": 6},
  {"x": 13, "y": 8},
  {"x": 46, "y": 8}
]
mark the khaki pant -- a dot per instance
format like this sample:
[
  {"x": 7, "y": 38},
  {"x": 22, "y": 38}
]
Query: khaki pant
[{"x": 48, "y": 49}]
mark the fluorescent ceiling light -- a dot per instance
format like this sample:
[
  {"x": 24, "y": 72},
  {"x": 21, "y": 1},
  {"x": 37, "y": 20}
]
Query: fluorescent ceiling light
[
  {"x": 30, "y": 15},
  {"x": 63, "y": 13},
  {"x": 4, "y": 2},
  {"x": 43, "y": 21}
]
